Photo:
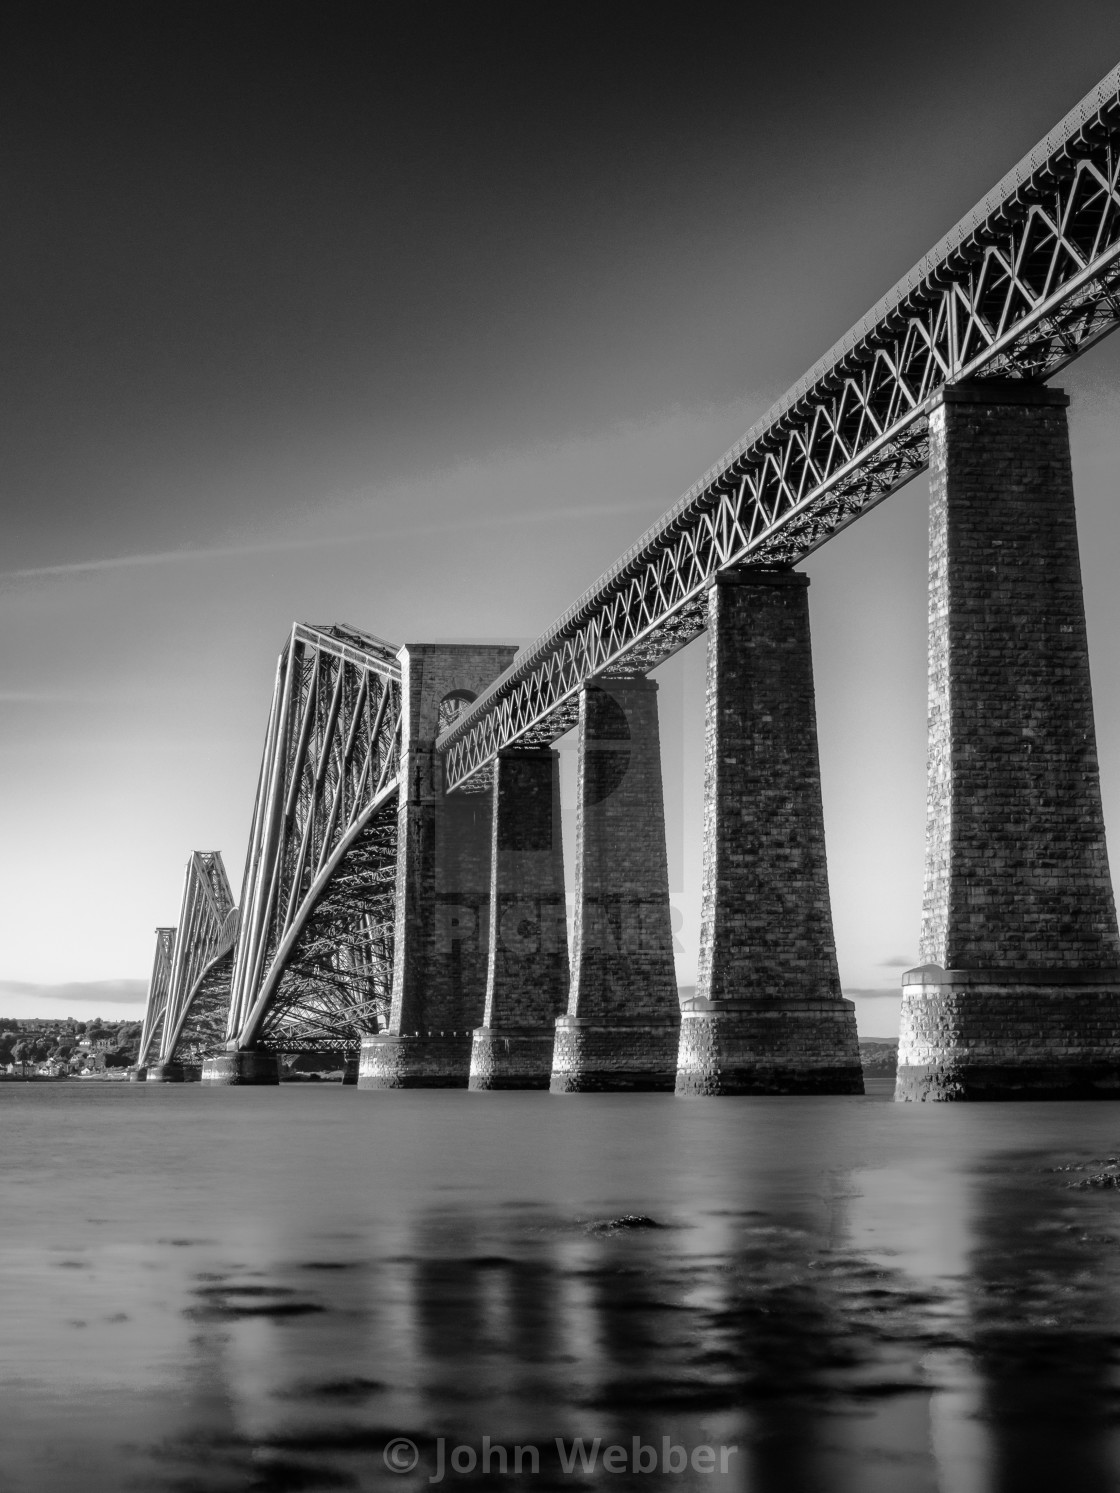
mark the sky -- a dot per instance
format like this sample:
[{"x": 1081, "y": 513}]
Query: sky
[{"x": 414, "y": 317}]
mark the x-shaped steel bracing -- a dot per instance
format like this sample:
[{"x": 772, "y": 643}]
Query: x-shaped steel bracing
[
  {"x": 310, "y": 968},
  {"x": 1020, "y": 287}
]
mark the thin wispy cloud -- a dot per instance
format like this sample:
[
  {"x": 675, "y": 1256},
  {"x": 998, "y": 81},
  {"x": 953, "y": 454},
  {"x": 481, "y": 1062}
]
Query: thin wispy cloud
[
  {"x": 41, "y": 697},
  {"x": 542, "y": 518},
  {"x": 173, "y": 557},
  {"x": 103, "y": 992}
]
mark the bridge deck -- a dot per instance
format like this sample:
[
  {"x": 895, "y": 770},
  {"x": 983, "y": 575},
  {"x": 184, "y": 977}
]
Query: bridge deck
[{"x": 1022, "y": 285}]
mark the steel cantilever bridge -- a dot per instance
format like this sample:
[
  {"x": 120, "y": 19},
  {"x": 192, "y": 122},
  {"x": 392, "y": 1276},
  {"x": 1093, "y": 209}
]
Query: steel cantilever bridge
[
  {"x": 311, "y": 966},
  {"x": 1025, "y": 283}
]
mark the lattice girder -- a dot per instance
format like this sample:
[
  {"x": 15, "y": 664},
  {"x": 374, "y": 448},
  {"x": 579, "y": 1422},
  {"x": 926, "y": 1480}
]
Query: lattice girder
[
  {"x": 206, "y": 933},
  {"x": 159, "y": 987},
  {"x": 337, "y": 981},
  {"x": 202, "y": 1032},
  {"x": 331, "y": 765},
  {"x": 1022, "y": 285}
]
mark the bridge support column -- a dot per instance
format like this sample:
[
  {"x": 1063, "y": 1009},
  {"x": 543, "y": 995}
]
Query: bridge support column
[
  {"x": 166, "y": 1073},
  {"x": 256, "y": 1068},
  {"x": 621, "y": 1030},
  {"x": 137, "y": 1075},
  {"x": 1018, "y": 995},
  {"x": 443, "y": 884},
  {"x": 768, "y": 1016},
  {"x": 527, "y": 974}
]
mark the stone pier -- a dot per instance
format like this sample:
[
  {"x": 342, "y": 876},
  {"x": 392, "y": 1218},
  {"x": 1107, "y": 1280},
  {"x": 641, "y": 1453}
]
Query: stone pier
[
  {"x": 768, "y": 1016},
  {"x": 621, "y": 1029},
  {"x": 527, "y": 972},
  {"x": 443, "y": 883},
  {"x": 166, "y": 1073},
  {"x": 1018, "y": 992},
  {"x": 255, "y": 1069}
]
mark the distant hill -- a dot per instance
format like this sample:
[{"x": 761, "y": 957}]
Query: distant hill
[{"x": 879, "y": 1056}]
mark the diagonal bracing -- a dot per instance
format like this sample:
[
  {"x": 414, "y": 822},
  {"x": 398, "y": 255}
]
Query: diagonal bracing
[
  {"x": 198, "y": 999},
  {"x": 159, "y": 987},
  {"x": 309, "y": 970},
  {"x": 1020, "y": 287}
]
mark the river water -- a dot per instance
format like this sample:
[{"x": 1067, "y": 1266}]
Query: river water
[{"x": 311, "y": 1287}]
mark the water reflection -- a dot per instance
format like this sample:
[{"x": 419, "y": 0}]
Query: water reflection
[
  {"x": 851, "y": 1303},
  {"x": 1044, "y": 1312}
]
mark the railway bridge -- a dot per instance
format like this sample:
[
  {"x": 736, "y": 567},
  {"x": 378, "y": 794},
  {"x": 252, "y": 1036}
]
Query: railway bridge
[{"x": 403, "y": 898}]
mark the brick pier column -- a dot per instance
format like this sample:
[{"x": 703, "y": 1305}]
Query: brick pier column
[
  {"x": 1018, "y": 994},
  {"x": 166, "y": 1073},
  {"x": 621, "y": 1030},
  {"x": 768, "y": 1016},
  {"x": 443, "y": 884},
  {"x": 527, "y": 974},
  {"x": 256, "y": 1069}
]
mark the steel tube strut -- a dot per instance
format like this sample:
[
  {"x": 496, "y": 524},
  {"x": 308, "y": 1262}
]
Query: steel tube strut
[{"x": 330, "y": 765}]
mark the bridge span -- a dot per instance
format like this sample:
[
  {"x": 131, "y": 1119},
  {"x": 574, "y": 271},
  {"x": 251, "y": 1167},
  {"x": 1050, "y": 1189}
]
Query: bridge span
[{"x": 403, "y": 899}]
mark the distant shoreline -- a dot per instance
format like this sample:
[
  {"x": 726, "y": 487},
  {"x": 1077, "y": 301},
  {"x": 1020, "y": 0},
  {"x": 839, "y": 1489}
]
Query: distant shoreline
[{"x": 114, "y": 1075}]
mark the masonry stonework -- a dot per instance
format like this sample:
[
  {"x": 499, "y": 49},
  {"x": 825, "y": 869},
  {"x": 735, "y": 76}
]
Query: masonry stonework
[
  {"x": 443, "y": 884},
  {"x": 527, "y": 976},
  {"x": 1018, "y": 994},
  {"x": 243, "y": 1069},
  {"x": 768, "y": 1016},
  {"x": 621, "y": 1027},
  {"x": 171, "y": 1073},
  {"x": 165, "y": 1073}
]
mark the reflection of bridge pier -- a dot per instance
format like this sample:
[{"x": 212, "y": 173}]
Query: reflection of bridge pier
[{"x": 1043, "y": 1322}]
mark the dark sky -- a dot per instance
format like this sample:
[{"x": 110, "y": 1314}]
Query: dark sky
[
  {"x": 415, "y": 316},
  {"x": 272, "y": 235}
]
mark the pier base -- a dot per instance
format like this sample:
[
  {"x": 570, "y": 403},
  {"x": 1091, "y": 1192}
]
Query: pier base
[
  {"x": 166, "y": 1073},
  {"x": 595, "y": 1057},
  {"x": 511, "y": 1058},
  {"x": 350, "y": 1073},
  {"x": 1009, "y": 1034},
  {"x": 256, "y": 1068},
  {"x": 430, "y": 1060},
  {"x": 137, "y": 1075},
  {"x": 788, "y": 1046}
]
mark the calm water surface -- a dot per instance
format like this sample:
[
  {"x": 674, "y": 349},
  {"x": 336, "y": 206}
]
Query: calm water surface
[{"x": 262, "y": 1289}]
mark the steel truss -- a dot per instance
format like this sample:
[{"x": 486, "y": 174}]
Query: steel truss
[
  {"x": 337, "y": 981},
  {"x": 199, "y": 994},
  {"x": 159, "y": 987},
  {"x": 1024, "y": 284},
  {"x": 189, "y": 993},
  {"x": 310, "y": 967}
]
